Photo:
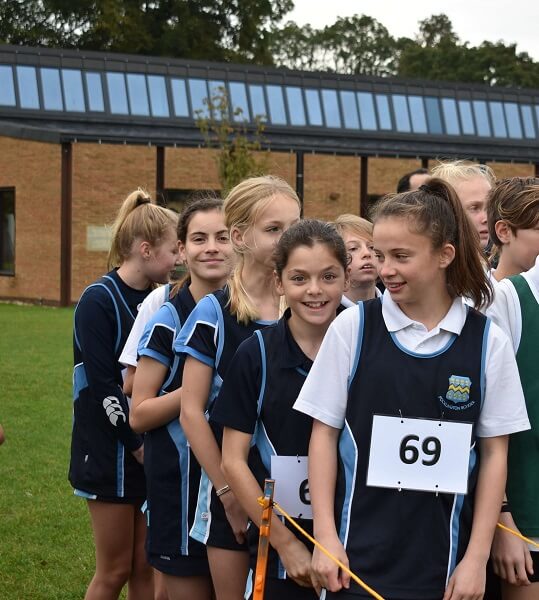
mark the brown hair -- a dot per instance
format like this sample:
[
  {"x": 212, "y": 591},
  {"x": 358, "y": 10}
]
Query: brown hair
[
  {"x": 434, "y": 210},
  {"x": 138, "y": 217}
]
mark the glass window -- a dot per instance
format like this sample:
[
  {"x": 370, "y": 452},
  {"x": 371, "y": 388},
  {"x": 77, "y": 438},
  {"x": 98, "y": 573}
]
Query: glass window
[
  {"x": 331, "y": 108},
  {"x": 498, "y": 119},
  {"x": 402, "y": 117},
  {"x": 158, "y": 96},
  {"x": 198, "y": 91},
  {"x": 384, "y": 115},
  {"x": 258, "y": 101},
  {"x": 314, "y": 109},
  {"x": 537, "y": 114},
  {"x": 117, "y": 94},
  {"x": 276, "y": 104},
  {"x": 367, "y": 114},
  {"x": 417, "y": 114},
  {"x": 50, "y": 86},
  {"x": 296, "y": 110},
  {"x": 27, "y": 85},
  {"x": 73, "y": 92},
  {"x": 527, "y": 120},
  {"x": 481, "y": 117},
  {"x": 179, "y": 97},
  {"x": 94, "y": 88},
  {"x": 238, "y": 100},
  {"x": 434, "y": 117},
  {"x": 513, "y": 119},
  {"x": 466, "y": 117},
  {"x": 349, "y": 110},
  {"x": 451, "y": 119},
  {"x": 218, "y": 97},
  {"x": 7, "y": 232},
  {"x": 7, "y": 87},
  {"x": 138, "y": 94}
]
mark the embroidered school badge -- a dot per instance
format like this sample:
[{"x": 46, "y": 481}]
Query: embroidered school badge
[{"x": 459, "y": 389}]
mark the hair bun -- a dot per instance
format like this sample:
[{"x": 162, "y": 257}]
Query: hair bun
[{"x": 142, "y": 199}]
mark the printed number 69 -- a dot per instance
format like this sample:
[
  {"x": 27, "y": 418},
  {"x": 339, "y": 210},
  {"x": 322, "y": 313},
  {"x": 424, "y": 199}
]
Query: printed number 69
[{"x": 409, "y": 452}]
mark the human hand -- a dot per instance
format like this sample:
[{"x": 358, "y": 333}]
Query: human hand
[
  {"x": 296, "y": 560},
  {"x": 235, "y": 515},
  {"x": 139, "y": 454},
  {"x": 511, "y": 558},
  {"x": 325, "y": 573},
  {"x": 468, "y": 581}
]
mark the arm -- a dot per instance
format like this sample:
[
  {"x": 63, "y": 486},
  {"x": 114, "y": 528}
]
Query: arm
[
  {"x": 468, "y": 579},
  {"x": 511, "y": 556},
  {"x": 148, "y": 410},
  {"x": 129, "y": 379},
  {"x": 322, "y": 481},
  {"x": 294, "y": 555}
]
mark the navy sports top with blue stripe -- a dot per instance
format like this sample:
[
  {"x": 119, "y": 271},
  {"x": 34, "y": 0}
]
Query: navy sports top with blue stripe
[
  {"x": 405, "y": 544},
  {"x": 172, "y": 472},
  {"x": 102, "y": 441}
]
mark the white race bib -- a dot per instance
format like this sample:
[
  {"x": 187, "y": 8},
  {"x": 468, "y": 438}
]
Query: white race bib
[
  {"x": 292, "y": 485},
  {"x": 419, "y": 454}
]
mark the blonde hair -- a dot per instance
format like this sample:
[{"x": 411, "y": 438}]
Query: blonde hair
[
  {"x": 461, "y": 170},
  {"x": 241, "y": 207},
  {"x": 138, "y": 217},
  {"x": 348, "y": 223}
]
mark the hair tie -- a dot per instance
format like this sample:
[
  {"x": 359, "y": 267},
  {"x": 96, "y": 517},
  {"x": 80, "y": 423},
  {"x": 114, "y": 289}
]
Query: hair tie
[
  {"x": 143, "y": 200},
  {"x": 433, "y": 191}
]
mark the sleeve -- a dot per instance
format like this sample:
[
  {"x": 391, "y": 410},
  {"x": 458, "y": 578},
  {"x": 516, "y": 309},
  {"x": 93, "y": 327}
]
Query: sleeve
[
  {"x": 504, "y": 409},
  {"x": 505, "y": 311},
  {"x": 324, "y": 395},
  {"x": 96, "y": 329},
  {"x": 151, "y": 304},
  {"x": 198, "y": 336},
  {"x": 158, "y": 336},
  {"x": 236, "y": 405}
]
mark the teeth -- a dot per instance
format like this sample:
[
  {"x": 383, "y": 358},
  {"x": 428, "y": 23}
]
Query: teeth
[{"x": 314, "y": 304}]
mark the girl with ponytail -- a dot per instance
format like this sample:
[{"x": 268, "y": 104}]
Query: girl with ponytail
[
  {"x": 106, "y": 454},
  {"x": 407, "y": 392}
]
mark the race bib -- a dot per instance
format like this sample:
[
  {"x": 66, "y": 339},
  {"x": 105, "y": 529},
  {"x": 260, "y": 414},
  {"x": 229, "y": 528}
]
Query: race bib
[
  {"x": 292, "y": 485},
  {"x": 419, "y": 454}
]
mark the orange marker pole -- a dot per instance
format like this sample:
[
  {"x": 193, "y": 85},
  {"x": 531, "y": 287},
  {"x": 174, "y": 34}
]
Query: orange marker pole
[{"x": 263, "y": 540}]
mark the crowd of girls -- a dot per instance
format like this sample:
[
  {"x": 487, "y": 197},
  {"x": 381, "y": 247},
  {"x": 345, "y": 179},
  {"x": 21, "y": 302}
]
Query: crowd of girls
[{"x": 385, "y": 419}]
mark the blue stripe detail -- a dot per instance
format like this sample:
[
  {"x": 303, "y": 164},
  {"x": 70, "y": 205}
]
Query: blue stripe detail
[
  {"x": 483, "y": 359},
  {"x": 180, "y": 441},
  {"x": 249, "y": 585},
  {"x": 302, "y": 371},
  {"x": 220, "y": 329},
  {"x": 415, "y": 354},
  {"x": 120, "y": 453},
  {"x": 80, "y": 381},
  {"x": 361, "y": 309},
  {"x": 144, "y": 507},
  {"x": 264, "y": 445},
  {"x": 349, "y": 455},
  {"x": 200, "y": 529},
  {"x": 121, "y": 296},
  {"x": 164, "y": 360},
  {"x": 264, "y": 369},
  {"x": 83, "y": 494},
  {"x": 195, "y": 354},
  {"x": 176, "y": 362}
]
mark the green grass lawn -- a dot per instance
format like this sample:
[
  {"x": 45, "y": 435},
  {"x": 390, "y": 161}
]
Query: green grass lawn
[{"x": 46, "y": 549}]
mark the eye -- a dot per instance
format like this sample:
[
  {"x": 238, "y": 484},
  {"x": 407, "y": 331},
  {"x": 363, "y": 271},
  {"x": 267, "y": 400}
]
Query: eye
[
  {"x": 273, "y": 229},
  {"x": 297, "y": 278},
  {"x": 402, "y": 256},
  {"x": 224, "y": 238},
  {"x": 329, "y": 276},
  {"x": 353, "y": 249}
]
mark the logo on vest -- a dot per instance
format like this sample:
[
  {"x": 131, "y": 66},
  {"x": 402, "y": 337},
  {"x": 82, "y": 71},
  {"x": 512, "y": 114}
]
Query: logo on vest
[{"x": 458, "y": 393}]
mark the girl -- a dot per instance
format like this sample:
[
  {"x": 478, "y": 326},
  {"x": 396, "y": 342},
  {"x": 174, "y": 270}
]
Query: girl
[
  {"x": 257, "y": 211},
  {"x": 404, "y": 392},
  {"x": 106, "y": 455},
  {"x": 172, "y": 476},
  {"x": 357, "y": 235},
  {"x": 262, "y": 383}
]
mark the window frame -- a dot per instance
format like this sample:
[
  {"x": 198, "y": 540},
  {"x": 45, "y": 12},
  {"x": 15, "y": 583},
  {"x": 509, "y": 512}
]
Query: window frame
[{"x": 8, "y": 272}]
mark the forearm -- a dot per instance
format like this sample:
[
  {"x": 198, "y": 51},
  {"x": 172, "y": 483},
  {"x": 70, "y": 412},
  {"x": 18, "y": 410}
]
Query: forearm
[{"x": 149, "y": 413}]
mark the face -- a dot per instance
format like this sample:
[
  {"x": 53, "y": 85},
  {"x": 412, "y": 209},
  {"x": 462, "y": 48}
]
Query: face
[
  {"x": 417, "y": 180},
  {"x": 313, "y": 282},
  {"x": 521, "y": 248},
  {"x": 161, "y": 260},
  {"x": 207, "y": 251},
  {"x": 410, "y": 268},
  {"x": 473, "y": 197},
  {"x": 260, "y": 239},
  {"x": 362, "y": 265}
]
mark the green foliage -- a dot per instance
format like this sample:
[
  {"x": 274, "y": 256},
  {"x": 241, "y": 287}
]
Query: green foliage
[{"x": 235, "y": 141}]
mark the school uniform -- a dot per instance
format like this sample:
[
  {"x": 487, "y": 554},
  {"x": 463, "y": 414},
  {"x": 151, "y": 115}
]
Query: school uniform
[
  {"x": 172, "y": 472},
  {"x": 262, "y": 383},
  {"x": 516, "y": 310},
  {"x": 212, "y": 335},
  {"x": 377, "y": 361},
  {"x": 102, "y": 466}
]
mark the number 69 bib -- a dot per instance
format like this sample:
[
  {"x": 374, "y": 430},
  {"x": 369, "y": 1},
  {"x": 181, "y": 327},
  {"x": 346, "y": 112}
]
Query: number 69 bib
[
  {"x": 292, "y": 485},
  {"x": 419, "y": 454}
]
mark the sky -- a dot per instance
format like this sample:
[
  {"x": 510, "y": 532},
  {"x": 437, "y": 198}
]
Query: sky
[{"x": 513, "y": 21}]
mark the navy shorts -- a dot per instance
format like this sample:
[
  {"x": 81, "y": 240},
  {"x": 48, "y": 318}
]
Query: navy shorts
[
  {"x": 535, "y": 557},
  {"x": 135, "y": 501},
  {"x": 179, "y": 565},
  {"x": 285, "y": 589}
]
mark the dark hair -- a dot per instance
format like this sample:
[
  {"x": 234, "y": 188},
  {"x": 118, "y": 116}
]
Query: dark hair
[
  {"x": 309, "y": 232},
  {"x": 435, "y": 210},
  {"x": 404, "y": 181},
  {"x": 515, "y": 201},
  {"x": 204, "y": 203}
]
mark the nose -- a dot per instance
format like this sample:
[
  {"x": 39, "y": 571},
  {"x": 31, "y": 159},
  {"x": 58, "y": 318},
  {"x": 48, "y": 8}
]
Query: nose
[
  {"x": 385, "y": 269},
  {"x": 483, "y": 216},
  {"x": 211, "y": 245},
  {"x": 367, "y": 253},
  {"x": 314, "y": 287}
]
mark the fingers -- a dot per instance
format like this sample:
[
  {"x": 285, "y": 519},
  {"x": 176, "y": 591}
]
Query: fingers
[
  {"x": 449, "y": 589},
  {"x": 345, "y": 578},
  {"x": 529, "y": 563}
]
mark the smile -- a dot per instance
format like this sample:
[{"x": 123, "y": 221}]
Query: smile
[{"x": 315, "y": 304}]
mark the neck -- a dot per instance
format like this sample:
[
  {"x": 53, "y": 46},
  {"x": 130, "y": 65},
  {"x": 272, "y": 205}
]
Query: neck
[
  {"x": 505, "y": 268},
  {"x": 200, "y": 287},
  {"x": 260, "y": 287},
  {"x": 133, "y": 276},
  {"x": 361, "y": 291},
  {"x": 431, "y": 310},
  {"x": 308, "y": 337}
]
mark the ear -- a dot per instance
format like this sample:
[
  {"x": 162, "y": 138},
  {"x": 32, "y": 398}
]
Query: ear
[
  {"x": 503, "y": 231},
  {"x": 236, "y": 237},
  {"x": 145, "y": 250},
  {"x": 181, "y": 249},
  {"x": 347, "y": 279},
  {"x": 447, "y": 255},
  {"x": 278, "y": 283}
]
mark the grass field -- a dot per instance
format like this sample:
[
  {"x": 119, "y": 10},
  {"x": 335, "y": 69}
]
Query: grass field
[{"x": 46, "y": 549}]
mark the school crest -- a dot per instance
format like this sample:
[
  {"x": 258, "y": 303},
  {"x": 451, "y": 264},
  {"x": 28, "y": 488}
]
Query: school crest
[{"x": 459, "y": 389}]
